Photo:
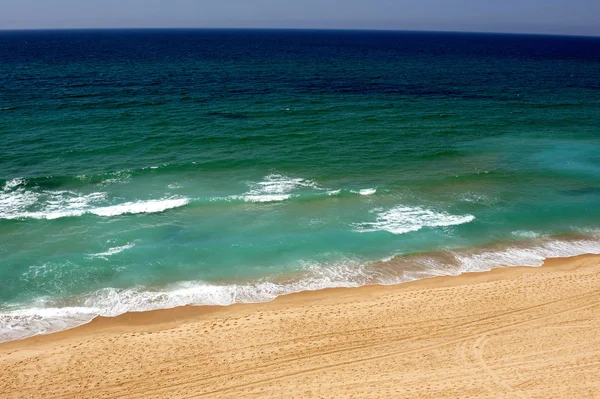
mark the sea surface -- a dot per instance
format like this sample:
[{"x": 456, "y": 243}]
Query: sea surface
[{"x": 146, "y": 169}]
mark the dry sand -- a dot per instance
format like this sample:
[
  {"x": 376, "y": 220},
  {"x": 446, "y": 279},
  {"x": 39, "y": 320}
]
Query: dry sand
[{"x": 516, "y": 333}]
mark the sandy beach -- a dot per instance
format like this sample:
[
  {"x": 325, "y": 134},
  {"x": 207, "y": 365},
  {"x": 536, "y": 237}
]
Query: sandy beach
[{"x": 517, "y": 332}]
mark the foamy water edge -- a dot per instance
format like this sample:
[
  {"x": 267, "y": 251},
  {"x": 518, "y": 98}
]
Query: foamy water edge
[{"x": 43, "y": 318}]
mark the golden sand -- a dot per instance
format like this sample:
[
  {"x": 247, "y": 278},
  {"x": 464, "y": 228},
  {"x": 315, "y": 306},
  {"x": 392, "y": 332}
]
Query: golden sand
[{"x": 517, "y": 332}]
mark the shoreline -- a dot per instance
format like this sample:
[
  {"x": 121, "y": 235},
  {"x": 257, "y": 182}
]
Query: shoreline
[
  {"x": 264, "y": 349},
  {"x": 187, "y": 313},
  {"x": 398, "y": 270}
]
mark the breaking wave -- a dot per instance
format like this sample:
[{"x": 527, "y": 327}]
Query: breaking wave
[
  {"x": 404, "y": 219},
  {"x": 24, "y": 199},
  {"x": 16, "y": 202},
  {"x": 275, "y": 188},
  {"x": 367, "y": 191},
  {"x": 151, "y": 206}
]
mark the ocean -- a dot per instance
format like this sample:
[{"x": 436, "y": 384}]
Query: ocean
[{"x": 148, "y": 169}]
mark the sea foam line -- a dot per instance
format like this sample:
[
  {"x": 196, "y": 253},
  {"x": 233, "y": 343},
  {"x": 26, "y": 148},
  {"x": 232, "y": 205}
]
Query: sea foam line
[{"x": 47, "y": 315}]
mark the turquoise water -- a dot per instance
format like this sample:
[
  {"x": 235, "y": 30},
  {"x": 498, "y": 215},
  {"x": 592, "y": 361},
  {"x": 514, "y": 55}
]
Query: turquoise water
[{"x": 150, "y": 169}]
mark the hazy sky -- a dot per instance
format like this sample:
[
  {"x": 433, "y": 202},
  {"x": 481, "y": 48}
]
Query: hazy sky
[{"x": 531, "y": 16}]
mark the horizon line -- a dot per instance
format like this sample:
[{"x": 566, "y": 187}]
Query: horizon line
[{"x": 301, "y": 29}]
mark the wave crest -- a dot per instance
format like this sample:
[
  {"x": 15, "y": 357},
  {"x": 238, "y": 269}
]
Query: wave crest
[
  {"x": 18, "y": 203},
  {"x": 367, "y": 191},
  {"x": 404, "y": 219},
  {"x": 275, "y": 188},
  {"x": 151, "y": 206}
]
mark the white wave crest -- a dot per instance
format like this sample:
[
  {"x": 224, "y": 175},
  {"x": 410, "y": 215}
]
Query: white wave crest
[
  {"x": 365, "y": 191},
  {"x": 275, "y": 188},
  {"x": 17, "y": 204},
  {"x": 151, "y": 206},
  {"x": 24, "y": 204},
  {"x": 368, "y": 191},
  {"x": 404, "y": 219}
]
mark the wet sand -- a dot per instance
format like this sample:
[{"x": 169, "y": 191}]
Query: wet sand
[{"x": 517, "y": 332}]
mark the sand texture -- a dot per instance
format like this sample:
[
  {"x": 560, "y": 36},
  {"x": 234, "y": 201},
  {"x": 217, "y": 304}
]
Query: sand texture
[{"x": 510, "y": 333}]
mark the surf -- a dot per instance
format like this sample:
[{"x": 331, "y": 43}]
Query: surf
[{"x": 48, "y": 315}]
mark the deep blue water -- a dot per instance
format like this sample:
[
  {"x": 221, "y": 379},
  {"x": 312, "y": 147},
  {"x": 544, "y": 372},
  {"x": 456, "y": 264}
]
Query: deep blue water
[{"x": 142, "y": 169}]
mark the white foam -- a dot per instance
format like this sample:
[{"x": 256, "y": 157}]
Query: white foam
[
  {"x": 15, "y": 202},
  {"x": 23, "y": 323},
  {"x": 333, "y": 192},
  {"x": 404, "y": 219},
  {"x": 67, "y": 203},
  {"x": 364, "y": 191},
  {"x": 529, "y": 253},
  {"x": 18, "y": 204},
  {"x": 367, "y": 191},
  {"x": 11, "y": 184},
  {"x": 151, "y": 206},
  {"x": 535, "y": 255},
  {"x": 45, "y": 315},
  {"x": 113, "y": 251},
  {"x": 275, "y": 188},
  {"x": 114, "y": 301}
]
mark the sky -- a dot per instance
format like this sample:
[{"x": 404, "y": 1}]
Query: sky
[{"x": 579, "y": 17}]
